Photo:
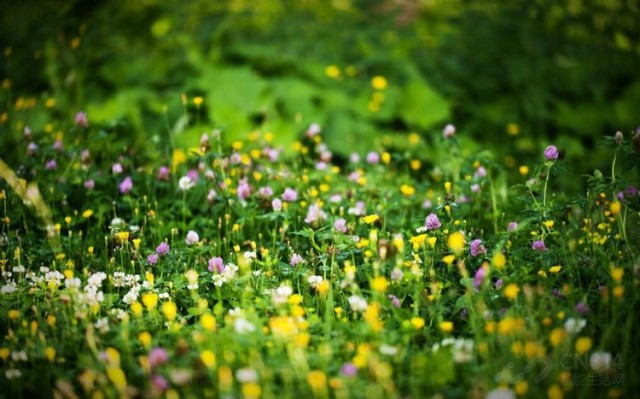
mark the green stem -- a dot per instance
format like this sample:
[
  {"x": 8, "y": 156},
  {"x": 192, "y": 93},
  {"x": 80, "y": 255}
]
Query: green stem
[{"x": 544, "y": 194}]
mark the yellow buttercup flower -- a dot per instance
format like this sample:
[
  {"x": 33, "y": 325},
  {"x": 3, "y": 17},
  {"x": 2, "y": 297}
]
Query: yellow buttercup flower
[{"x": 456, "y": 242}]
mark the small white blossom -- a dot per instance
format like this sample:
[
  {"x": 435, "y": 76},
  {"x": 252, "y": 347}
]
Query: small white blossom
[{"x": 357, "y": 303}]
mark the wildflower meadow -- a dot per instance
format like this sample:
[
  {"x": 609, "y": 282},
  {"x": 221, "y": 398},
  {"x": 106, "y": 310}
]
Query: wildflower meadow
[
  {"x": 319, "y": 199},
  {"x": 242, "y": 270}
]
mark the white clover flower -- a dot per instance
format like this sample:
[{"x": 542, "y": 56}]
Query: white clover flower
[
  {"x": 245, "y": 375},
  {"x": 501, "y": 393},
  {"x": 192, "y": 238},
  {"x": 12, "y": 374},
  {"x": 357, "y": 303},
  {"x": 243, "y": 326},
  {"x": 19, "y": 356},
  {"x": 462, "y": 350},
  {"x": 314, "y": 281},
  {"x": 185, "y": 183},
  {"x": 574, "y": 326},
  {"x": 19, "y": 269},
  {"x": 9, "y": 288},
  {"x": 102, "y": 325},
  {"x": 600, "y": 361},
  {"x": 388, "y": 350}
]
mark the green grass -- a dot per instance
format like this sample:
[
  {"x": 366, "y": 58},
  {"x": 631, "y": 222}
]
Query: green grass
[{"x": 376, "y": 305}]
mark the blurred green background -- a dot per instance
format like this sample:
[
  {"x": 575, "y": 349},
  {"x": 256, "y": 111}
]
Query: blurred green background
[{"x": 513, "y": 76}]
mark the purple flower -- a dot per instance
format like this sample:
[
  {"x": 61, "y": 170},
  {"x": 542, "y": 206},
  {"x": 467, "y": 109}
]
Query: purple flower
[
  {"x": 582, "y": 308},
  {"x": 244, "y": 190},
  {"x": 152, "y": 259},
  {"x": 265, "y": 192},
  {"x": 158, "y": 356},
  {"x": 479, "y": 277},
  {"x": 354, "y": 157},
  {"x": 163, "y": 173},
  {"x": 163, "y": 248},
  {"x": 216, "y": 264},
  {"x": 276, "y": 204},
  {"x": 477, "y": 248},
  {"x": 373, "y": 158},
  {"x": 432, "y": 222},
  {"x": 481, "y": 172},
  {"x": 396, "y": 274},
  {"x": 513, "y": 226},
  {"x": 394, "y": 301},
  {"x": 58, "y": 145},
  {"x": 81, "y": 119},
  {"x": 289, "y": 195},
  {"x": 192, "y": 238},
  {"x": 539, "y": 246},
  {"x": 126, "y": 185},
  {"x": 51, "y": 165},
  {"x": 159, "y": 383},
  {"x": 448, "y": 131},
  {"x": 193, "y": 175},
  {"x": 314, "y": 214},
  {"x": 32, "y": 148},
  {"x": 340, "y": 225},
  {"x": 89, "y": 184},
  {"x": 296, "y": 260},
  {"x": 349, "y": 370},
  {"x": 475, "y": 187},
  {"x": 498, "y": 283},
  {"x": 116, "y": 168},
  {"x": 551, "y": 153}
]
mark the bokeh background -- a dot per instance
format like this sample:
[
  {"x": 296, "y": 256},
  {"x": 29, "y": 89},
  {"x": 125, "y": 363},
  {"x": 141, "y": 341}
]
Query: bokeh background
[{"x": 512, "y": 76}]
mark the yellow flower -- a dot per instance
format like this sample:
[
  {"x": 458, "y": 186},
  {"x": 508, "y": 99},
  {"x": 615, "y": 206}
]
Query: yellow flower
[
  {"x": 251, "y": 390},
  {"x": 499, "y": 260},
  {"x": 557, "y": 336},
  {"x": 370, "y": 219},
  {"x": 4, "y": 353},
  {"x": 583, "y": 345},
  {"x": 122, "y": 236},
  {"x": 524, "y": 170},
  {"x": 417, "y": 322},
  {"x": 332, "y": 71},
  {"x": 511, "y": 291},
  {"x": 446, "y": 326},
  {"x": 170, "y": 310},
  {"x": 50, "y": 353},
  {"x": 617, "y": 273},
  {"x": 447, "y": 187},
  {"x": 208, "y": 358},
  {"x": 456, "y": 242},
  {"x": 150, "y": 300},
  {"x": 13, "y": 314},
  {"x": 379, "y": 284},
  {"x": 555, "y": 392},
  {"x": 379, "y": 82},
  {"x": 136, "y": 308},
  {"x": 198, "y": 101},
  {"x": 145, "y": 339},
  {"x": 407, "y": 190},
  {"x": 317, "y": 380},
  {"x": 415, "y": 164},
  {"x": 618, "y": 291},
  {"x": 555, "y": 269},
  {"x": 615, "y": 207},
  {"x": 448, "y": 259},
  {"x": 418, "y": 241},
  {"x": 521, "y": 388},
  {"x": 208, "y": 322}
]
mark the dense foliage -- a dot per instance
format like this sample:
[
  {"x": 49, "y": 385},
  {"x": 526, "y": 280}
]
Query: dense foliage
[{"x": 269, "y": 199}]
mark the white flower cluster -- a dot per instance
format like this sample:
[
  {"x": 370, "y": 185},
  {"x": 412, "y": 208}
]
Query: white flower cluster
[
  {"x": 461, "y": 349},
  {"x": 228, "y": 273}
]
